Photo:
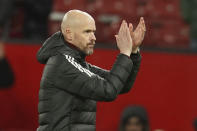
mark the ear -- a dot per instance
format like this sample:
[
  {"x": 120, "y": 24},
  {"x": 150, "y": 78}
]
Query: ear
[{"x": 68, "y": 34}]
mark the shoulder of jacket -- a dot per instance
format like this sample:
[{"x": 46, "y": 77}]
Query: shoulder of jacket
[{"x": 60, "y": 58}]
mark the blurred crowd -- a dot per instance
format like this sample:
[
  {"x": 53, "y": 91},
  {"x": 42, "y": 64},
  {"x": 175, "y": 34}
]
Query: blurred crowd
[
  {"x": 168, "y": 22},
  {"x": 34, "y": 28},
  {"x": 135, "y": 118},
  {"x": 32, "y": 15}
]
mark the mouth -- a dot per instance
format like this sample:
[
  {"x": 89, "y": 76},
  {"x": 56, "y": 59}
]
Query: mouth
[{"x": 91, "y": 45}]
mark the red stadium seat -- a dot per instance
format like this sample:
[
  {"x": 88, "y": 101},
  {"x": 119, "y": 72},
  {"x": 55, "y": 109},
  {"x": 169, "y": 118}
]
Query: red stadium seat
[
  {"x": 169, "y": 33},
  {"x": 65, "y": 5},
  {"x": 116, "y": 7},
  {"x": 54, "y": 26},
  {"x": 142, "y": 9},
  {"x": 105, "y": 32},
  {"x": 163, "y": 20},
  {"x": 164, "y": 8},
  {"x": 16, "y": 27}
]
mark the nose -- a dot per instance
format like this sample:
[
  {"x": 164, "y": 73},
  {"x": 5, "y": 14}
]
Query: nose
[{"x": 93, "y": 37}]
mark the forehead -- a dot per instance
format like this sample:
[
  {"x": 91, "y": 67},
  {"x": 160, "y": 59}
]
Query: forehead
[{"x": 88, "y": 23}]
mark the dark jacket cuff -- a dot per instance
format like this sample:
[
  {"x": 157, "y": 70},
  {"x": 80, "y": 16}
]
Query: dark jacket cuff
[
  {"x": 136, "y": 57},
  {"x": 125, "y": 61}
]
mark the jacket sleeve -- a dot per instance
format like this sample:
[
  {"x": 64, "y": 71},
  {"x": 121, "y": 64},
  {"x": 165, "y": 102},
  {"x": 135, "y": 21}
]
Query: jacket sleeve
[
  {"x": 63, "y": 72},
  {"x": 136, "y": 58},
  {"x": 99, "y": 71}
]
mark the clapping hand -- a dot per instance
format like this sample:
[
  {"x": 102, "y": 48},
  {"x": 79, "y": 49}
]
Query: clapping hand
[
  {"x": 138, "y": 34},
  {"x": 124, "y": 40}
]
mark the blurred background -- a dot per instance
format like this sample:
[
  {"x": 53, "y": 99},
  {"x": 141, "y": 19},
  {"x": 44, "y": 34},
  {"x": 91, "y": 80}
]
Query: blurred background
[{"x": 166, "y": 85}]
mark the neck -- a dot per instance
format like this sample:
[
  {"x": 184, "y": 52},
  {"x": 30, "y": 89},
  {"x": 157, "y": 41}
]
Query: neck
[{"x": 76, "y": 49}]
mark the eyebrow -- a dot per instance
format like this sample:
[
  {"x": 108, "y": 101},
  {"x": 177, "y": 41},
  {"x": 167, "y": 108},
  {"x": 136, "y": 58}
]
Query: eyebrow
[{"x": 89, "y": 30}]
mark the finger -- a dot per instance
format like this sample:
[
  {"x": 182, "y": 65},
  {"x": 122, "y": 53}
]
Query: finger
[
  {"x": 131, "y": 29},
  {"x": 124, "y": 28},
  {"x": 121, "y": 26},
  {"x": 142, "y": 33},
  {"x": 141, "y": 18},
  {"x": 143, "y": 24},
  {"x": 126, "y": 24},
  {"x": 117, "y": 38},
  {"x": 141, "y": 21},
  {"x": 141, "y": 28},
  {"x": 139, "y": 24},
  {"x": 128, "y": 35},
  {"x": 127, "y": 29}
]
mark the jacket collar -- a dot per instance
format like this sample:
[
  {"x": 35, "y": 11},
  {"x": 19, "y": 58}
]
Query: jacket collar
[{"x": 79, "y": 55}]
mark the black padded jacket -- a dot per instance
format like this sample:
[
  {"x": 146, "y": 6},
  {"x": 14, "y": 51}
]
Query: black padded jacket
[{"x": 70, "y": 87}]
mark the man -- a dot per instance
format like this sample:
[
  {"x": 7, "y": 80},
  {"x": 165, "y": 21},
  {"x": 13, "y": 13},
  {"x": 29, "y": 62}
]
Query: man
[
  {"x": 70, "y": 86},
  {"x": 134, "y": 118}
]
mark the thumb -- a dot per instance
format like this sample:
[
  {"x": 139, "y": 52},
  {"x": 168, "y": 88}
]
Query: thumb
[{"x": 116, "y": 36}]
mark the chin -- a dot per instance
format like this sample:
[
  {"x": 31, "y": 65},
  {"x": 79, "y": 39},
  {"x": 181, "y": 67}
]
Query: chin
[{"x": 89, "y": 52}]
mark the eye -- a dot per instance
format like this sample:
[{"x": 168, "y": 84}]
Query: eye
[{"x": 87, "y": 31}]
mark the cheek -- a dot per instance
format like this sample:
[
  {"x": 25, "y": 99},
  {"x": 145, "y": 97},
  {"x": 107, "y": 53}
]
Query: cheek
[
  {"x": 79, "y": 39},
  {"x": 84, "y": 40}
]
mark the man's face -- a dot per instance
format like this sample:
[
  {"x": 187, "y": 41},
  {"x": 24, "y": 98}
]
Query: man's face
[
  {"x": 133, "y": 124},
  {"x": 84, "y": 36}
]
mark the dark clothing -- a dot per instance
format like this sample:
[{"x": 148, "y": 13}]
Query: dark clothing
[
  {"x": 6, "y": 8},
  {"x": 189, "y": 13},
  {"x": 195, "y": 124},
  {"x": 36, "y": 13},
  {"x": 70, "y": 86},
  {"x": 135, "y": 111},
  {"x": 6, "y": 74}
]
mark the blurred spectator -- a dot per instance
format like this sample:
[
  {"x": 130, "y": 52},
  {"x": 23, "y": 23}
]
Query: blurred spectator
[
  {"x": 6, "y": 73},
  {"x": 189, "y": 13},
  {"x": 158, "y": 130},
  {"x": 36, "y": 14},
  {"x": 6, "y": 9},
  {"x": 134, "y": 118},
  {"x": 195, "y": 124}
]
